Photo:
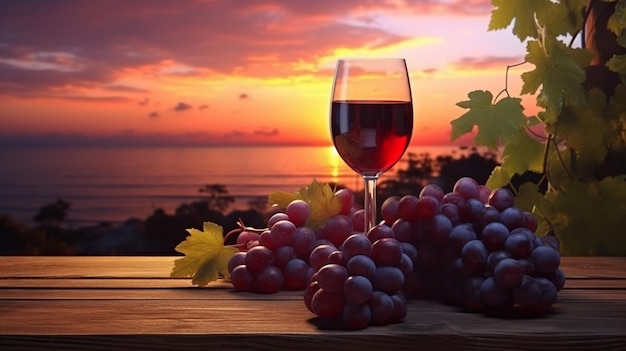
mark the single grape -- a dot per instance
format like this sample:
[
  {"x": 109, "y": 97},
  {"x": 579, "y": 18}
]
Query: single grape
[
  {"x": 298, "y": 212},
  {"x": 404, "y": 231},
  {"x": 241, "y": 278},
  {"x": 356, "y": 316},
  {"x": 244, "y": 238},
  {"x": 268, "y": 281},
  {"x": 546, "y": 259},
  {"x": 467, "y": 188},
  {"x": 358, "y": 220},
  {"x": 380, "y": 231},
  {"x": 508, "y": 273},
  {"x": 400, "y": 308},
  {"x": 501, "y": 199},
  {"x": 495, "y": 257},
  {"x": 406, "y": 264},
  {"x": 494, "y": 236},
  {"x": 386, "y": 251},
  {"x": 459, "y": 236},
  {"x": 295, "y": 274},
  {"x": 550, "y": 240},
  {"x": 381, "y": 306},
  {"x": 337, "y": 229},
  {"x": 361, "y": 265},
  {"x": 483, "y": 194},
  {"x": 488, "y": 214},
  {"x": 389, "y": 209},
  {"x": 327, "y": 305},
  {"x": 410, "y": 250},
  {"x": 259, "y": 258},
  {"x": 519, "y": 245},
  {"x": 357, "y": 289},
  {"x": 548, "y": 294},
  {"x": 356, "y": 244},
  {"x": 407, "y": 208},
  {"x": 513, "y": 218},
  {"x": 465, "y": 214},
  {"x": 451, "y": 211},
  {"x": 557, "y": 278},
  {"x": 282, "y": 233},
  {"x": 388, "y": 279},
  {"x": 319, "y": 256},
  {"x": 279, "y": 216},
  {"x": 472, "y": 297},
  {"x": 284, "y": 254},
  {"x": 438, "y": 230},
  {"x": 265, "y": 239},
  {"x": 331, "y": 277},
  {"x": 528, "y": 265},
  {"x": 347, "y": 200},
  {"x": 474, "y": 255},
  {"x": 311, "y": 288},
  {"x": 336, "y": 257},
  {"x": 433, "y": 190},
  {"x": 235, "y": 260},
  {"x": 492, "y": 293},
  {"x": 426, "y": 208},
  {"x": 304, "y": 242},
  {"x": 475, "y": 208},
  {"x": 528, "y": 293},
  {"x": 531, "y": 221}
]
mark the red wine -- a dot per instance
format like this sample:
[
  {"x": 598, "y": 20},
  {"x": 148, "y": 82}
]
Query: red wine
[{"x": 371, "y": 136}]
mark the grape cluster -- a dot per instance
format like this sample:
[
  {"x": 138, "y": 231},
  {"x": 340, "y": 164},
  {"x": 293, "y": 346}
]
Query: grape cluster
[
  {"x": 475, "y": 249},
  {"x": 471, "y": 247}
]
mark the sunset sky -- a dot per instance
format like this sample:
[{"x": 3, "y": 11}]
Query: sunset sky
[{"x": 230, "y": 71}]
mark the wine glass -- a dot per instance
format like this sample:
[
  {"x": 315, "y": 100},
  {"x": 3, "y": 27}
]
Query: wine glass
[{"x": 371, "y": 119}]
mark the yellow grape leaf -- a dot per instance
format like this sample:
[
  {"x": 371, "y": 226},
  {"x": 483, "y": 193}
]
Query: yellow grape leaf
[
  {"x": 617, "y": 21},
  {"x": 524, "y": 155},
  {"x": 206, "y": 257},
  {"x": 320, "y": 197},
  {"x": 501, "y": 120}
]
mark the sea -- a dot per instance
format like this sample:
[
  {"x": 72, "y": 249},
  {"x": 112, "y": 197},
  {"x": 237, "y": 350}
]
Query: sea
[{"x": 113, "y": 184}]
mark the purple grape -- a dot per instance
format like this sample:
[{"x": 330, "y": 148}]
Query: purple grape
[
  {"x": 465, "y": 214},
  {"x": 356, "y": 244},
  {"x": 282, "y": 233},
  {"x": 361, "y": 265},
  {"x": 501, "y": 199},
  {"x": 513, "y": 218},
  {"x": 400, "y": 308},
  {"x": 528, "y": 293},
  {"x": 295, "y": 274},
  {"x": 426, "y": 208},
  {"x": 304, "y": 242},
  {"x": 389, "y": 209},
  {"x": 268, "y": 281},
  {"x": 356, "y": 316},
  {"x": 235, "y": 260},
  {"x": 519, "y": 245},
  {"x": 508, "y": 273},
  {"x": 438, "y": 229},
  {"x": 459, "y": 236},
  {"x": 406, "y": 264},
  {"x": 327, "y": 305},
  {"x": 483, "y": 194},
  {"x": 258, "y": 258},
  {"x": 494, "y": 236},
  {"x": 382, "y": 308},
  {"x": 298, "y": 212},
  {"x": 331, "y": 277},
  {"x": 347, "y": 200},
  {"x": 496, "y": 257},
  {"x": 284, "y": 254},
  {"x": 472, "y": 294},
  {"x": 492, "y": 293},
  {"x": 433, "y": 190},
  {"x": 336, "y": 257},
  {"x": 357, "y": 289},
  {"x": 404, "y": 231},
  {"x": 386, "y": 251},
  {"x": 466, "y": 187},
  {"x": 474, "y": 255},
  {"x": 279, "y": 216},
  {"x": 488, "y": 214},
  {"x": 319, "y": 256},
  {"x": 407, "y": 208},
  {"x": 337, "y": 229},
  {"x": 546, "y": 259},
  {"x": 388, "y": 279},
  {"x": 451, "y": 211},
  {"x": 241, "y": 278},
  {"x": 548, "y": 294},
  {"x": 380, "y": 231},
  {"x": 557, "y": 278}
]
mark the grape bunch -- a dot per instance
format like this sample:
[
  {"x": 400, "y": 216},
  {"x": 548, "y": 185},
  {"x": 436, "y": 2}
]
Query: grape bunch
[
  {"x": 361, "y": 283},
  {"x": 475, "y": 249},
  {"x": 281, "y": 256}
]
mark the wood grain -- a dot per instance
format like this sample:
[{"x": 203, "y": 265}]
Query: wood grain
[{"x": 129, "y": 303}]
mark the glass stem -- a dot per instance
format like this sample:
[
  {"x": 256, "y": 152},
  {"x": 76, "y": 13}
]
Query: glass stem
[{"x": 370, "y": 202}]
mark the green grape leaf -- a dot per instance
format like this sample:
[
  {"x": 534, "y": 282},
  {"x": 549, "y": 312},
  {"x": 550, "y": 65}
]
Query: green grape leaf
[
  {"x": 206, "y": 257},
  {"x": 499, "y": 177},
  {"x": 501, "y": 120},
  {"x": 530, "y": 199},
  {"x": 617, "y": 21},
  {"x": 617, "y": 64},
  {"x": 589, "y": 217},
  {"x": 522, "y": 12},
  {"x": 564, "y": 17},
  {"x": 524, "y": 155},
  {"x": 588, "y": 130},
  {"x": 559, "y": 71},
  {"x": 320, "y": 197}
]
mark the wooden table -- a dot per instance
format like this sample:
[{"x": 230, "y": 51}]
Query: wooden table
[{"x": 98, "y": 303}]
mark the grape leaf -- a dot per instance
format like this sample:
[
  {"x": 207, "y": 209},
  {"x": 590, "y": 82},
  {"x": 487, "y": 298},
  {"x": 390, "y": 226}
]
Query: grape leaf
[
  {"x": 559, "y": 71},
  {"x": 206, "y": 257},
  {"x": 530, "y": 199},
  {"x": 584, "y": 234},
  {"x": 524, "y": 155},
  {"x": 320, "y": 197},
  {"x": 617, "y": 64},
  {"x": 522, "y": 12},
  {"x": 498, "y": 178},
  {"x": 563, "y": 17},
  {"x": 494, "y": 121},
  {"x": 617, "y": 21}
]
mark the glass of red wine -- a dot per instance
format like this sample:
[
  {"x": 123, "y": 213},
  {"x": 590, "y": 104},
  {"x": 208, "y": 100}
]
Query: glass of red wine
[{"x": 371, "y": 119}]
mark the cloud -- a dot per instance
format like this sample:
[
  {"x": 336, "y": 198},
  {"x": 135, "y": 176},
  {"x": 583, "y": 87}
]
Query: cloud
[
  {"x": 487, "y": 62},
  {"x": 154, "y": 115},
  {"x": 243, "y": 96},
  {"x": 182, "y": 106},
  {"x": 46, "y": 47},
  {"x": 266, "y": 132},
  {"x": 144, "y": 102},
  {"x": 203, "y": 107}
]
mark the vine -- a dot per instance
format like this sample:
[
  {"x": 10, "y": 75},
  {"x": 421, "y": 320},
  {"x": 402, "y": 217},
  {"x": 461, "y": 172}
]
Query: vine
[{"x": 581, "y": 154}]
